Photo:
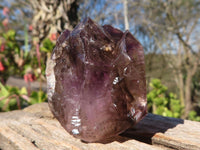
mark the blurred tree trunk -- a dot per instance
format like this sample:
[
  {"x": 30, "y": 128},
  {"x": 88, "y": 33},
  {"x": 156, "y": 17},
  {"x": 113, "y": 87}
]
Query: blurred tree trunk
[
  {"x": 190, "y": 62},
  {"x": 180, "y": 84},
  {"x": 191, "y": 70},
  {"x": 179, "y": 75},
  {"x": 126, "y": 23},
  {"x": 53, "y": 16}
]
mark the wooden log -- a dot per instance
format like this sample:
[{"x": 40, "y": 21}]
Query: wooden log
[{"x": 35, "y": 128}]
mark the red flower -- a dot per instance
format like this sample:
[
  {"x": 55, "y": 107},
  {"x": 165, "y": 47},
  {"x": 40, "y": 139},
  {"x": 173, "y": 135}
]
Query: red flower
[
  {"x": 5, "y": 22},
  {"x": 53, "y": 37},
  {"x": 26, "y": 78},
  {"x": 29, "y": 77},
  {"x": 30, "y": 28},
  {"x": 1, "y": 67},
  {"x": 5, "y": 11},
  {"x": 2, "y": 48}
]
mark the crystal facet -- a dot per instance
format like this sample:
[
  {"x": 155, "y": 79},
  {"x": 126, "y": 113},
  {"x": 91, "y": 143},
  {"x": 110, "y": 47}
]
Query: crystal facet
[{"x": 96, "y": 81}]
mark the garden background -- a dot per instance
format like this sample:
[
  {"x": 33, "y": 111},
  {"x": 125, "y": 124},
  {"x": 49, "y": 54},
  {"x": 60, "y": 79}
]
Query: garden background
[{"x": 168, "y": 30}]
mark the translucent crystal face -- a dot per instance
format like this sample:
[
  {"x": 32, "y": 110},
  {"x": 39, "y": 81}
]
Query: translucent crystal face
[{"x": 96, "y": 81}]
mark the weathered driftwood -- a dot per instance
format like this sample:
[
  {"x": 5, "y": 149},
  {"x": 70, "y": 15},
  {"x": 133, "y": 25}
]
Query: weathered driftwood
[{"x": 35, "y": 128}]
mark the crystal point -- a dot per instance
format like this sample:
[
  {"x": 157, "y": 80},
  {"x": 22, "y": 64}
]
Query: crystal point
[{"x": 96, "y": 81}]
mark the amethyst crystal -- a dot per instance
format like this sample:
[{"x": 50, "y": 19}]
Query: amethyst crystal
[{"x": 96, "y": 81}]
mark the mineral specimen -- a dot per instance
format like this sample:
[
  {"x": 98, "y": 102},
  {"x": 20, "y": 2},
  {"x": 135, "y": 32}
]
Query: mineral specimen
[{"x": 96, "y": 81}]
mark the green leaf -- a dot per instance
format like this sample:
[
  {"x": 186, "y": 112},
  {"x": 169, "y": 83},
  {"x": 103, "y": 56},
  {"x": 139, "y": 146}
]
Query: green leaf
[
  {"x": 11, "y": 34},
  {"x": 13, "y": 90},
  {"x": 23, "y": 91},
  {"x": 3, "y": 91},
  {"x": 47, "y": 45},
  {"x": 38, "y": 97}
]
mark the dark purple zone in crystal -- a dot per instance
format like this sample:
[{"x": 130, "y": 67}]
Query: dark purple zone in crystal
[{"x": 96, "y": 81}]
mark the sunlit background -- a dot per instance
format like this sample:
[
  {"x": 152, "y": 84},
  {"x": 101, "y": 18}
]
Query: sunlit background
[{"x": 168, "y": 30}]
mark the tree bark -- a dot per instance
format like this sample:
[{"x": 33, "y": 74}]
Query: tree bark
[{"x": 53, "y": 17}]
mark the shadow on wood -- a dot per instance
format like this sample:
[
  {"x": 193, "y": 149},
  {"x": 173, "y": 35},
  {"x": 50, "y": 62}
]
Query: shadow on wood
[{"x": 149, "y": 126}]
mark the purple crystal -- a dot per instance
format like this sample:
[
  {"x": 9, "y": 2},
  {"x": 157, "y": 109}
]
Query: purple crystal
[{"x": 96, "y": 81}]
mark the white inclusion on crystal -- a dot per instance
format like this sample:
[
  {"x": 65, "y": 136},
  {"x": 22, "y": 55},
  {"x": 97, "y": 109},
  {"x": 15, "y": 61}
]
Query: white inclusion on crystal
[
  {"x": 138, "y": 81},
  {"x": 132, "y": 111},
  {"x": 125, "y": 69},
  {"x": 75, "y": 131},
  {"x": 142, "y": 101},
  {"x": 116, "y": 80},
  {"x": 91, "y": 40},
  {"x": 89, "y": 63},
  {"x": 95, "y": 127},
  {"x": 115, "y": 105},
  {"x": 138, "y": 115},
  {"x": 76, "y": 121},
  {"x": 64, "y": 44},
  {"x": 127, "y": 56},
  {"x": 74, "y": 117}
]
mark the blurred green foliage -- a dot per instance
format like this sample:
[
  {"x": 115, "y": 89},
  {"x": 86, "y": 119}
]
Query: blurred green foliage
[
  {"x": 15, "y": 60},
  {"x": 161, "y": 102},
  {"x": 193, "y": 116},
  {"x": 21, "y": 63},
  {"x": 12, "y": 98},
  {"x": 47, "y": 45}
]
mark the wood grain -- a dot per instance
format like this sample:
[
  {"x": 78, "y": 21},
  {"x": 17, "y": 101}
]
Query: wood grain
[{"x": 35, "y": 128}]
